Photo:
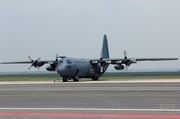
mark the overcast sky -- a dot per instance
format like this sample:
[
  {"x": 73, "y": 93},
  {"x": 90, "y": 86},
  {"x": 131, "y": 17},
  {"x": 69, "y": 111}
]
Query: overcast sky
[{"x": 75, "y": 28}]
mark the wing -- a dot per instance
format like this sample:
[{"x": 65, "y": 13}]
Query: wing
[
  {"x": 132, "y": 60},
  {"x": 37, "y": 63},
  {"x": 156, "y": 59},
  {"x": 29, "y": 62},
  {"x": 24, "y": 62},
  {"x": 127, "y": 61}
]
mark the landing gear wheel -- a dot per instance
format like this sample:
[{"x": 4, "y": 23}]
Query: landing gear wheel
[
  {"x": 65, "y": 79},
  {"x": 75, "y": 80},
  {"x": 95, "y": 79}
]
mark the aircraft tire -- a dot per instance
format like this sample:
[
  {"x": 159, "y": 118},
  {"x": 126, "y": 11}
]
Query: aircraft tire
[
  {"x": 65, "y": 79},
  {"x": 95, "y": 79},
  {"x": 75, "y": 79}
]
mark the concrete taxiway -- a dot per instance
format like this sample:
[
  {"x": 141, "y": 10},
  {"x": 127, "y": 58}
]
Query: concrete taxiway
[{"x": 102, "y": 99}]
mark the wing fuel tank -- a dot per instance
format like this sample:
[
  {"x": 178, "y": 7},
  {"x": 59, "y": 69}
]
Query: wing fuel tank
[
  {"x": 50, "y": 68},
  {"x": 119, "y": 67}
]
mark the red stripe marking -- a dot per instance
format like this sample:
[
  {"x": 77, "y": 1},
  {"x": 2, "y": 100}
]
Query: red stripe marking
[{"x": 60, "y": 114}]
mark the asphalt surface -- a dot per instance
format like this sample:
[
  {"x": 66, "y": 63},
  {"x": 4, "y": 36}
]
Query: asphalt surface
[{"x": 90, "y": 100}]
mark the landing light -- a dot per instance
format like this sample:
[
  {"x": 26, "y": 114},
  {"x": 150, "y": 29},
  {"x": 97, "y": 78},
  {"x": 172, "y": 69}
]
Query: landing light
[
  {"x": 118, "y": 62},
  {"x": 94, "y": 62},
  {"x": 109, "y": 62}
]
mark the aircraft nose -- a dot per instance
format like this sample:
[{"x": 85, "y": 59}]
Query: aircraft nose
[{"x": 61, "y": 71}]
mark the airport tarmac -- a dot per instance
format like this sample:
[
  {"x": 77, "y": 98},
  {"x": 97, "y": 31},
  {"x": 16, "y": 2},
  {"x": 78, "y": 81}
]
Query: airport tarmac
[{"x": 87, "y": 100}]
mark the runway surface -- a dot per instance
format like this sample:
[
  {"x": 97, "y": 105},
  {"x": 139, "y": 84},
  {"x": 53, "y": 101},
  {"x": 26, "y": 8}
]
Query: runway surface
[{"x": 87, "y": 100}]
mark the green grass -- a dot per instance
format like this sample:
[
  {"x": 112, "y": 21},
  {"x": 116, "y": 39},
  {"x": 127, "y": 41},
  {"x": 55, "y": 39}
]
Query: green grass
[
  {"x": 141, "y": 75},
  {"x": 106, "y": 76},
  {"x": 29, "y": 77}
]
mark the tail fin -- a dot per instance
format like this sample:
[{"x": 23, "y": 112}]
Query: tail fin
[{"x": 105, "y": 49}]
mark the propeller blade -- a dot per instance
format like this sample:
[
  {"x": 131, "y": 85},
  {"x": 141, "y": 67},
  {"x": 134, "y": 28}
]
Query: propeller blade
[
  {"x": 125, "y": 54},
  {"x": 30, "y": 58},
  {"x": 126, "y": 61},
  {"x": 38, "y": 67},
  {"x": 101, "y": 56},
  {"x": 56, "y": 56},
  {"x": 34, "y": 63},
  {"x": 38, "y": 59},
  {"x": 101, "y": 69},
  {"x": 29, "y": 67},
  {"x": 126, "y": 67}
]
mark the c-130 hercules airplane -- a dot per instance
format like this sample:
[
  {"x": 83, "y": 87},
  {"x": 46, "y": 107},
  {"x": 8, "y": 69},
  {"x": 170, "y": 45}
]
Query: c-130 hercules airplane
[{"x": 73, "y": 68}]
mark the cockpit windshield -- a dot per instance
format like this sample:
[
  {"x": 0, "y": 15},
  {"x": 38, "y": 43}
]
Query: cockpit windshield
[
  {"x": 64, "y": 61},
  {"x": 60, "y": 61}
]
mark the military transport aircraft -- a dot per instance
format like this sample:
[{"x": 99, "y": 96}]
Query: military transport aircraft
[{"x": 73, "y": 68}]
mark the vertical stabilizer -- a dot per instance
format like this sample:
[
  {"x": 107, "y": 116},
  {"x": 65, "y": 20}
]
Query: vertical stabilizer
[{"x": 105, "y": 49}]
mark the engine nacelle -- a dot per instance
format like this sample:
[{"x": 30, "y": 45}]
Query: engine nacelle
[
  {"x": 119, "y": 67},
  {"x": 50, "y": 68},
  {"x": 39, "y": 64}
]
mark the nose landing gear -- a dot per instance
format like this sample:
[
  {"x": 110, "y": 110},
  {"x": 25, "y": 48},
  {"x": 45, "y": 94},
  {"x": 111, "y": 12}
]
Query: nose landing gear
[{"x": 65, "y": 79}]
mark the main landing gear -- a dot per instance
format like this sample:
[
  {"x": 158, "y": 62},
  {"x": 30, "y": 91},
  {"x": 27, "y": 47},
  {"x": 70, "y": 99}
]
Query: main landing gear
[
  {"x": 75, "y": 79},
  {"x": 94, "y": 78}
]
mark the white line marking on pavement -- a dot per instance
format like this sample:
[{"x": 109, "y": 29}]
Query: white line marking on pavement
[
  {"x": 110, "y": 81},
  {"x": 95, "y": 109}
]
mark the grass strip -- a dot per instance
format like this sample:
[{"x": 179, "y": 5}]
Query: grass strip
[{"x": 106, "y": 76}]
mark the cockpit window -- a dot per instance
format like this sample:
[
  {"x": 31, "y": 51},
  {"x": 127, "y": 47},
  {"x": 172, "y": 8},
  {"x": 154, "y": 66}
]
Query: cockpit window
[
  {"x": 64, "y": 62},
  {"x": 61, "y": 61},
  {"x": 69, "y": 62}
]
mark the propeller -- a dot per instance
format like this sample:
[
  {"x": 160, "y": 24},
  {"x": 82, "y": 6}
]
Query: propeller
[
  {"x": 128, "y": 62},
  {"x": 101, "y": 58},
  {"x": 34, "y": 63},
  {"x": 56, "y": 60},
  {"x": 56, "y": 57}
]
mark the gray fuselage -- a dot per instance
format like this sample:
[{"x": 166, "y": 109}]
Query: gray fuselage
[{"x": 82, "y": 68}]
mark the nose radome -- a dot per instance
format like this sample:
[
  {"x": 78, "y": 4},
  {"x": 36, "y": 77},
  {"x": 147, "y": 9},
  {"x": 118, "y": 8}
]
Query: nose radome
[{"x": 61, "y": 71}]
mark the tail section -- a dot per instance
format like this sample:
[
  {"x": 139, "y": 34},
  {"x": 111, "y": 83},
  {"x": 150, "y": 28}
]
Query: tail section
[
  {"x": 105, "y": 53},
  {"x": 105, "y": 49}
]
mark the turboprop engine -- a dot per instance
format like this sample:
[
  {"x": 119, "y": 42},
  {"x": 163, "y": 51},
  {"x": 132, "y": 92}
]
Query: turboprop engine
[
  {"x": 50, "y": 68},
  {"x": 119, "y": 67}
]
